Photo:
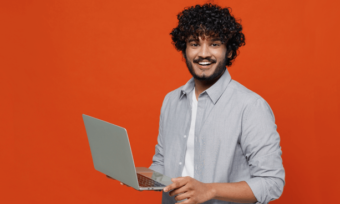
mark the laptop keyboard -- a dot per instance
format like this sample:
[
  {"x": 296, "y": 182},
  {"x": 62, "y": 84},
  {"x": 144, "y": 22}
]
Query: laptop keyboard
[{"x": 147, "y": 182}]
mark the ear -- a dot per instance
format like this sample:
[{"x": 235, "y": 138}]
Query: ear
[{"x": 230, "y": 54}]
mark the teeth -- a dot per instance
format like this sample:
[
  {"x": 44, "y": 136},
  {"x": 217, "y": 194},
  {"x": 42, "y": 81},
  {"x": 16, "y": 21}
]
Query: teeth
[{"x": 204, "y": 63}]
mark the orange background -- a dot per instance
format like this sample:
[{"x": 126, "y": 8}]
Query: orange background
[{"x": 114, "y": 60}]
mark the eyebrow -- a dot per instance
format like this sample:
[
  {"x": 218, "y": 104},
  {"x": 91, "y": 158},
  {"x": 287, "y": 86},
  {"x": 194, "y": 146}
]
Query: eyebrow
[{"x": 216, "y": 39}]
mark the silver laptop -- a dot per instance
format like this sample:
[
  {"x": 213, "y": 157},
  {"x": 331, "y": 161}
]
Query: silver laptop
[{"x": 111, "y": 154}]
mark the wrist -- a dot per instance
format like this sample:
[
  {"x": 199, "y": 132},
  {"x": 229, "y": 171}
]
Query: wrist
[{"x": 212, "y": 190}]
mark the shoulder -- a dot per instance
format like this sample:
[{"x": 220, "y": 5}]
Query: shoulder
[
  {"x": 172, "y": 97},
  {"x": 250, "y": 100},
  {"x": 243, "y": 94},
  {"x": 242, "y": 91}
]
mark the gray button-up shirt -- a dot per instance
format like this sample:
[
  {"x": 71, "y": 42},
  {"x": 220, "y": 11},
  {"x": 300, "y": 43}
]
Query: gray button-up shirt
[{"x": 235, "y": 139}]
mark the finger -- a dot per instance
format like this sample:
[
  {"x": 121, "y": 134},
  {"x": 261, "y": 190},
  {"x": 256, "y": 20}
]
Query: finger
[
  {"x": 179, "y": 190},
  {"x": 177, "y": 182},
  {"x": 182, "y": 196},
  {"x": 188, "y": 201}
]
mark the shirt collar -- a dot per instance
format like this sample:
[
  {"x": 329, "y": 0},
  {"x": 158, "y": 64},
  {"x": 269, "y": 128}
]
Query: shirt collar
[{"x": 214, "y": 92}]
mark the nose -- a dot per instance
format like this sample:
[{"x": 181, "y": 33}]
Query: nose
[{"x": 204, "y": 51}]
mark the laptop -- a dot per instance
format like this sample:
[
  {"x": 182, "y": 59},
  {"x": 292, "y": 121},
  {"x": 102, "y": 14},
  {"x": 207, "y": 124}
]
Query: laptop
[{"x": 111, "y": 154}]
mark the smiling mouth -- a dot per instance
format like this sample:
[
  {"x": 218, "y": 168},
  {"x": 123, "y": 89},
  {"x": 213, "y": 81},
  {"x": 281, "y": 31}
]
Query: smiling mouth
[{"x": 205, "y": 64}]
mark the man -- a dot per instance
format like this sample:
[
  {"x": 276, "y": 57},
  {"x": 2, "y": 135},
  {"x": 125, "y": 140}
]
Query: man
[{"x": 217, "y": 139}]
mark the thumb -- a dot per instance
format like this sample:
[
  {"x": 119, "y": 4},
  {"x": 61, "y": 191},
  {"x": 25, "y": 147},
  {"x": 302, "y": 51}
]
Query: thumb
[{"x": 175, "y": 179}]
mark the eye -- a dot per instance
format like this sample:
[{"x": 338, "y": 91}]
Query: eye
[
  {"x": 194, "y": 44},
  {"x": 215, "y": 44}
]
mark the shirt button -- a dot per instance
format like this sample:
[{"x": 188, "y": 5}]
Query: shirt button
[
  {"x": 180, "y": 163},
  {"x": 185, "y": 136}
]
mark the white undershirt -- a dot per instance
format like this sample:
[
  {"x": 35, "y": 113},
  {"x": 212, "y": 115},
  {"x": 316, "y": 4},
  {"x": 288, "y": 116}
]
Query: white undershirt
[{"x": 188, "y": 169}]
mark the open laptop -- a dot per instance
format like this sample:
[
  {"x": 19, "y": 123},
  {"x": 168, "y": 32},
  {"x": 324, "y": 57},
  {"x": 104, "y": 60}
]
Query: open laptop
[{"x": 111, "y": 154}]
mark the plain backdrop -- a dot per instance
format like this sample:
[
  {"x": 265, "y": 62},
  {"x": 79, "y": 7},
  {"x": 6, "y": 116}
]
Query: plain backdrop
[{"x": 114, "y": 60}]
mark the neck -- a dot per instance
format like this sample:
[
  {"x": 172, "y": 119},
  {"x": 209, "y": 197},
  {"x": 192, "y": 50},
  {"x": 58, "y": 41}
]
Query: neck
[{"x": 201, "y": 86}]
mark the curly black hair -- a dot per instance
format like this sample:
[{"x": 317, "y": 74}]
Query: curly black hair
[{"x": 209, "y": 20}]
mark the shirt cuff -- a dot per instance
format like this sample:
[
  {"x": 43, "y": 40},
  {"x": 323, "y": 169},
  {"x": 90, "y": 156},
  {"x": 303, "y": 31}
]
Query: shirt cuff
[{"x": 255, "y": 185}]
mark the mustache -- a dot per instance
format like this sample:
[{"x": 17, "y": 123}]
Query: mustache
[{"x": 200, "y": 59}]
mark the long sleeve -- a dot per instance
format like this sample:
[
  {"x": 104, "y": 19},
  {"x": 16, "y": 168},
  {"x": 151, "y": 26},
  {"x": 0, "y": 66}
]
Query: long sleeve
[
  {"x": 158, "y": 158},
  {"x": 261, "y": 145}
]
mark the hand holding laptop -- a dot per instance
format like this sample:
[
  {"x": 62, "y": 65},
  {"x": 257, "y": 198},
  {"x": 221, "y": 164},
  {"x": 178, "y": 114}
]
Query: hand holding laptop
[{"x": 112, "y": 155}]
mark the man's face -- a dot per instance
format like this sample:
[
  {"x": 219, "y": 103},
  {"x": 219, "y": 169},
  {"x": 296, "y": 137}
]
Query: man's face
[{"x": 205, "y": 57}]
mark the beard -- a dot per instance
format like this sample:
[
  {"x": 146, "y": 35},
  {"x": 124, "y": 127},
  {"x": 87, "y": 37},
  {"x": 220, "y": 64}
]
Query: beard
[{"x": 220, "y": 68}]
